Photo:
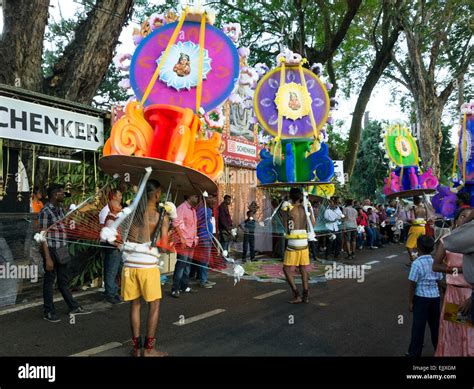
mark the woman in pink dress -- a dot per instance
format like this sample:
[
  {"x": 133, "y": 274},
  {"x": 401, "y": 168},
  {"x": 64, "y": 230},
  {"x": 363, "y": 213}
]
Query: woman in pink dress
[{"x": 454, "y": 340}]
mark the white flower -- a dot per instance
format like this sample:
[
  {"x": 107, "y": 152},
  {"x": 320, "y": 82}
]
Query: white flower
[
  {"x": 156, "y": 20},
  {"x": 122, "y": 61},
  {"x": 124, "y": 83}
]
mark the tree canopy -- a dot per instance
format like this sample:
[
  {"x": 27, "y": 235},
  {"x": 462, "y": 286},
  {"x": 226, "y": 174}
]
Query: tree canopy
[{"x": 422, "y": 46}]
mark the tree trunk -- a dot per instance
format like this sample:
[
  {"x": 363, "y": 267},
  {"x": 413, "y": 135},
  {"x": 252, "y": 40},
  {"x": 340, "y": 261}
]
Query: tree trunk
[
  {"x": 79, "y": 72},
  {"x": 382, "y": 60},
  {"x": 429, "y": 112},
  {"x": 21, "y": 44}
]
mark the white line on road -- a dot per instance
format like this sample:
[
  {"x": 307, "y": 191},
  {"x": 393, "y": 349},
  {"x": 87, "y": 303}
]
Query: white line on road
[
  {"x": 269, "y": 294},
  {"x": 31, "y": 305},
  {"x": 97, "y": 350},
  {"x": 371, "y": 262},
  {"x": 198, "y": 317},
  {"x": 392, "y": 256}
]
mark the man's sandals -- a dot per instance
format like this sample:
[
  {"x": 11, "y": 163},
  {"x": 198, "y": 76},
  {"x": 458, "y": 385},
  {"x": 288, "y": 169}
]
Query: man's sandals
[{"x": 148, "y": 348}]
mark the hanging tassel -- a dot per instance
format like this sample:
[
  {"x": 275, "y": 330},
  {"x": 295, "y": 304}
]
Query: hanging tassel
[
  {"x": 83, "y": 175},
  {"x": 95, "y": 173},
  {"x": 202, "y": 32},
  {"x": 5, "y": 186},
  {"x": 33, "y": 171},
  {"x": 49, "y": 173},
  {"x": 1, "y": 169},
  {"x": 57, "y": 169},
  {"x": 19, "y": 178},
  {"x": 68, "y": 183},
  {"x": 277, "y": 151}
]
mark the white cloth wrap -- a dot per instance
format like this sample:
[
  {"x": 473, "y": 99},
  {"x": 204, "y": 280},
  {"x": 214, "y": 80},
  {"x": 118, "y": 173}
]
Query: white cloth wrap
[
  {"x": 298, "y": 244},
  {"x": 140, "y": 255}
]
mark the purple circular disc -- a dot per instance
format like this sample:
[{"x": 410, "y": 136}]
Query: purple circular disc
[
  {"x": 222, "y": 63},
  {"x": 266, "y": 108}
]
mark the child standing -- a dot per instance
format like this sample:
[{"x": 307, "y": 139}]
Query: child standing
[
  {"x": 423, "y": 297},
  {"x": 249, "y": 236}
]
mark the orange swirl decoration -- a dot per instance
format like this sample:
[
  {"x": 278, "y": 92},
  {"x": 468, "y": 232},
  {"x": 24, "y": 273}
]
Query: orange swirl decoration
[
  {"x": 131, "y": 134},
  {"x": 206, "y": 157}
]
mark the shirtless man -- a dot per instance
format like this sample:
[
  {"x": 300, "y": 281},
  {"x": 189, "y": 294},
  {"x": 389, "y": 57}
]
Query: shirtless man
[
  {"x": 297, "y": 253},
  {"x": 141, "y": 275},
  {"x": 418, "y": 216}
]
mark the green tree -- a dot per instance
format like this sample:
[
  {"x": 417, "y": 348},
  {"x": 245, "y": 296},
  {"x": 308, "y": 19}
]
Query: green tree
[
  {"x": 437, "y": 56},
  {"x": 314, "y": 29},
  {"x": 83, "y": 57},
  {"x": 382, "y": 31},
  {"x": 446, "y": 155},
  {"x": 371, "y": 167},
  {"x": 337, "y": 144}
]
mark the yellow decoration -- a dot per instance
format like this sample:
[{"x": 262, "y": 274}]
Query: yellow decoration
[
  {"x": 403, "y": 146},
  {"x": 323, "y": 190},
  {"x": 202, "y": 34},
  {"x": 131, "y": 134},
  {"x": 293, "y": 101},
  {"x": 206, "y": 157}
]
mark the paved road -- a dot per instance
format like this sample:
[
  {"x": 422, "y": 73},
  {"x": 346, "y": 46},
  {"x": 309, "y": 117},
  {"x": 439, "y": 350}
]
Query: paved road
[{"x": 343, "y": 318}]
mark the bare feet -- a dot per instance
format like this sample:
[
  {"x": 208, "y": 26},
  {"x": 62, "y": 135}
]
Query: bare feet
[
  {"x": 305, "y": 297},
  {"x": 136, "y": 353},
  {"x": 154, "y": 353},
  {"x": 296, "y": 300}
]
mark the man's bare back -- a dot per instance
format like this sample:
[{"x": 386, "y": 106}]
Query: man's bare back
[
  {"x": 298, "y": 217},
  {"x": 420, "y": 212}
]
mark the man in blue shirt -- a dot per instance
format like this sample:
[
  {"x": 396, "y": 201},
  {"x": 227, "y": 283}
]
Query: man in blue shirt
[
  {"x": 204, "y": 232},
  {"x": 424, "y": 300}
]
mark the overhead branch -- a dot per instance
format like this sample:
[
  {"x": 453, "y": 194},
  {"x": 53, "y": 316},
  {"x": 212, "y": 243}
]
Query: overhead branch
[
  {"x": 79, "y": 71},
  {"x": 444, "y": 95},
  {"x": 399, "y": 80},
  {"x": 301, "y": 22},
  {"x": 377, "y": 20},
  {"x": 337, "y": 37},
  {"x": 403, "y": 72}
]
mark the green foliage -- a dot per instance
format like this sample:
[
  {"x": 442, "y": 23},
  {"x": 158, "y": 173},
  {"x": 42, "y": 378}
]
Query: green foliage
[
  {"x": 443, "y": 36},
  {"x": 336, "y": 143},
  {"x": 371, "y": 167},
  {"x": 109, "y": 92},
  {"x": 93, "y": 261},
  {"x": 446, "y": 155}
]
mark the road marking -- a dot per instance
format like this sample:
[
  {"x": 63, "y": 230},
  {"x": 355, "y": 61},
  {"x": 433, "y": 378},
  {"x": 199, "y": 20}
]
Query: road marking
[
  {"x": 392, "y": 256},
  {"x": 269, "y": 294},
  {"x": 31, "y": 305},
  {"x": 371, "y": 263},
  {"x": 192, "y": 319},
  {"x": 97, "y": 350}
]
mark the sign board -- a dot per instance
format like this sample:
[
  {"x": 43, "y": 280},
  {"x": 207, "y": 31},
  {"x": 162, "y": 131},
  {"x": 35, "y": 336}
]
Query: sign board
[
  {"x": 35, "y": 123},
  {"x": 339, "y": 172},
  {"x": 240, "y": 152}
]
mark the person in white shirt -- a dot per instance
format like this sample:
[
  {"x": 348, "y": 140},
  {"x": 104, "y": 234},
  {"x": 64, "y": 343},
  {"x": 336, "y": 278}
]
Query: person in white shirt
[
  {"x": 333, "y": 216},
  {"x": 114, "y": 194},
  {"x": 350, "y": 228}
]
